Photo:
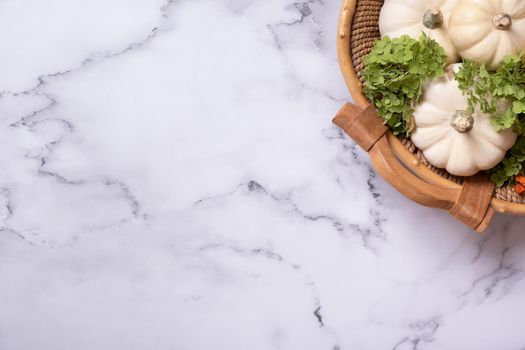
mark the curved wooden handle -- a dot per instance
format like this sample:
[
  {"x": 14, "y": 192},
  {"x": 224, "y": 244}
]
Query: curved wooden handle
[{"x": 469, "y": 203}]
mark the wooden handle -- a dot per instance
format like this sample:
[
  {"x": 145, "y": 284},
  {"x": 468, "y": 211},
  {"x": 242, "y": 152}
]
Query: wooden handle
[{"x": 470, "y": 203}]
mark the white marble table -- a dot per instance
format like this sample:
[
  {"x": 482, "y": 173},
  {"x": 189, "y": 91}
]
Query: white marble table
[{"x": 170, "y": 179}]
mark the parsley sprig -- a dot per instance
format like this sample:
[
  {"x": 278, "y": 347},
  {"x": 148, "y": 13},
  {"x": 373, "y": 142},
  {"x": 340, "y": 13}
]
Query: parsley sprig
[
  {"x": 500, "y": 94},
  {"x": 511, "y": 166},
  {"x": 394, "y": 74}
]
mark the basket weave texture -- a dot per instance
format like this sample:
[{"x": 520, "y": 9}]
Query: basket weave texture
[{"x": 365, "y": 31}]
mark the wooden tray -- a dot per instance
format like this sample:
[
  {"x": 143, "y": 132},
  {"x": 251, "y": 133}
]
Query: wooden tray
[{"x": 471, "y": 200}]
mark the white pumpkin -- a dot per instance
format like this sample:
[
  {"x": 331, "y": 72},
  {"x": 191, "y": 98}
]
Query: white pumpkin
[
  {"x": 450, "y": 138},
  {"x": 412, "y": 17},
  {"x": 487, "y": 30}
]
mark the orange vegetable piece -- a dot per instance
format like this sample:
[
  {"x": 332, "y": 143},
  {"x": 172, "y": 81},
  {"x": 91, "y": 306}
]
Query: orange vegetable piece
[
  {"x": 520, "y": 189},
  {"x": 520, "y": 179}
]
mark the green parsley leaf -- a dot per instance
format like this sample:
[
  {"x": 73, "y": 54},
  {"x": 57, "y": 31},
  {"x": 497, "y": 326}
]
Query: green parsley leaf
[
  {"x": 500, "y": 94},
  {"x": 394, "y": 74},
  {"x": 512, "y": 165}
]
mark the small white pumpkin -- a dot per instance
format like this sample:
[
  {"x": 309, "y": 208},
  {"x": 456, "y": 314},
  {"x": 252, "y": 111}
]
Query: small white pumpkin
[
  {"x": 450, "y": 138},
  {"x": 412, "y": 17},
  {"x": 487, "y": 30}
]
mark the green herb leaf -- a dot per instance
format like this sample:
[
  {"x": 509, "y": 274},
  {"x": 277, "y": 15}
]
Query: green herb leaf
[
  {"x": 394, "y": 74},
  {"x": 501, "y": 94},
  {"x": 511, "y": 166}
]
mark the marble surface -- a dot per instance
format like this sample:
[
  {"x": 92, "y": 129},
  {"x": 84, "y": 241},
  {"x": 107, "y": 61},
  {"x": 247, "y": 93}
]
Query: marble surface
[{"x": 170, "y": 179}]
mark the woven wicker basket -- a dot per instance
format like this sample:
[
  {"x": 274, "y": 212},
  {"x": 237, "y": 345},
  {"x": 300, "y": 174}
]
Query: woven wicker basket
[{"x": 397, "y": 159}]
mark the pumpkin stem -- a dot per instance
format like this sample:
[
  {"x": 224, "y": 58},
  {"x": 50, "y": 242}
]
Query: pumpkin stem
[
  {"x": 462, "y": 122},
  {"x": 433, "y": 18},
  {"x": 502, "y": 21}
]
